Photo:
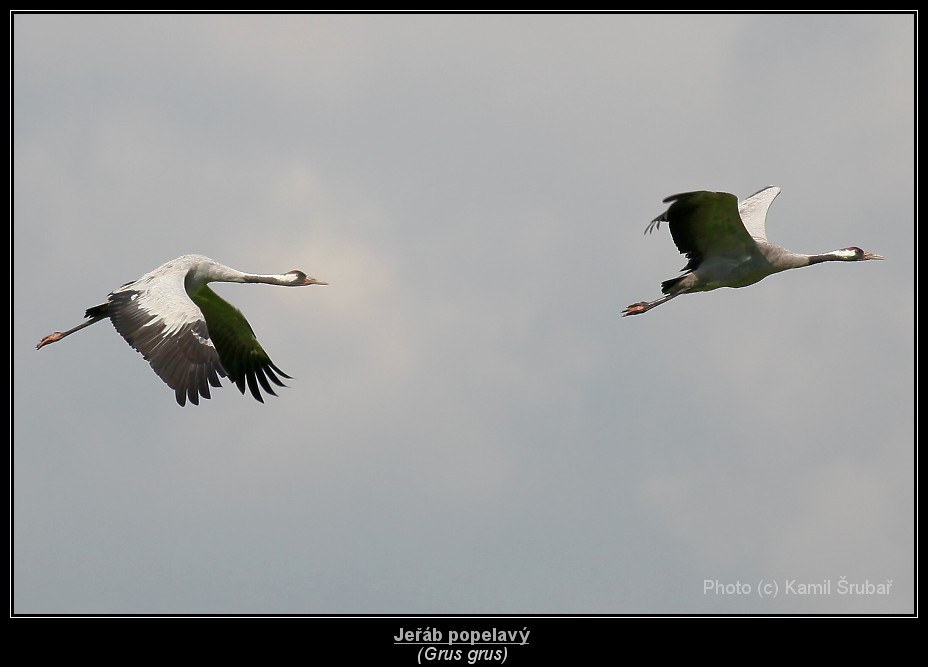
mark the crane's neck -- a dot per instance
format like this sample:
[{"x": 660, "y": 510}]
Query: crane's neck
[
  {"x": 287, "y": 279},
  {"x": 834, "y": 256},
  {"x": 213, "y": 272},
  {"x": 781, "y": 259},
  {"x": 202, "y": 270}
]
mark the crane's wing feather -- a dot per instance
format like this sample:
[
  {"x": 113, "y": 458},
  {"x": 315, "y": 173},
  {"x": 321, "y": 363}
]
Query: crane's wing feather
[
  {"x": 156, "y": 317},
  {"x": 753, "y": 211},
  {"x": 706, "y": 224},
  {"x": 242, "y": 356}
]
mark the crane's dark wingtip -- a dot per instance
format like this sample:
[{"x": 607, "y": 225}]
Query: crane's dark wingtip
[{"x": 655, "y": 223}]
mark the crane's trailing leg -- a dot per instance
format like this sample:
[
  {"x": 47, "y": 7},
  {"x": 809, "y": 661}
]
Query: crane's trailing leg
[
  {"x": 50, "y": 338},
  {"x": 645, "y": 306},
  {"x": 95, "y": 314},
  {"x": 634, "y": 309}
]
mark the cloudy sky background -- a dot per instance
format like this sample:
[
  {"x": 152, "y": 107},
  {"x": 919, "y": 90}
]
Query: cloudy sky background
[{"x": 472, "y": 427}]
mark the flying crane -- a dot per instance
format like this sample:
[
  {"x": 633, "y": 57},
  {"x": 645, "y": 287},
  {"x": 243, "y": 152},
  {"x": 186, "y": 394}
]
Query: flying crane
[
  {"x": 189, "y": 335},
  {"x": 726, "y": 244}
]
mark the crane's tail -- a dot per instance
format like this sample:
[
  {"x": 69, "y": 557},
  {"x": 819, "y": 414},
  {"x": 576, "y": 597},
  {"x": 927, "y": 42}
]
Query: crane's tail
[
  {"x": 668, "y": 285},
  {"x": 98, "y": 312}
]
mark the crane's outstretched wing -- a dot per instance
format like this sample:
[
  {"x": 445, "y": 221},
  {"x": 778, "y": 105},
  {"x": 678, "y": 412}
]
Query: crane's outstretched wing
[
  {"x": 242, "y": 355},
  {"x": 753, "y": 211},
  {"x": 156, "y": 317},
  {"x": 705, "y": 224}
]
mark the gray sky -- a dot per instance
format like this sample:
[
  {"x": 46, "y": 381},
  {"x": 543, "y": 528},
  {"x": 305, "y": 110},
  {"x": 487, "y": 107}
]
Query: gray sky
[{"x": 472, "y": 427}]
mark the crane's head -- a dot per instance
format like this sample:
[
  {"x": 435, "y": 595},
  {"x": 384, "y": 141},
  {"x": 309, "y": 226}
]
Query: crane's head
[
  {"x": 299, "y": 278},
  {"x": 855, "y": 254}
]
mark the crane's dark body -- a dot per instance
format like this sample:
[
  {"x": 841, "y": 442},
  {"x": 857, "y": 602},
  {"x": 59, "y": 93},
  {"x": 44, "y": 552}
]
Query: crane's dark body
[
  {"x": 189, "y": 335},
  {"x": 725, "y": 243}
]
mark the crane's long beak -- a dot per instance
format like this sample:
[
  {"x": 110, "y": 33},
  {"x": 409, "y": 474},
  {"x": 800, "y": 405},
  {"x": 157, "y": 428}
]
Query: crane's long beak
[
  {"x": 870, "y": 255},
  {"x": 313, "y": 281}
]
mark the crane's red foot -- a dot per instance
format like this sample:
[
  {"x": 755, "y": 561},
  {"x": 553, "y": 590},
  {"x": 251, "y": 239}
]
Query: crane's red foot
[
  {"x": 50, "y": 338},
  {"x": 635, "y": 309}
]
